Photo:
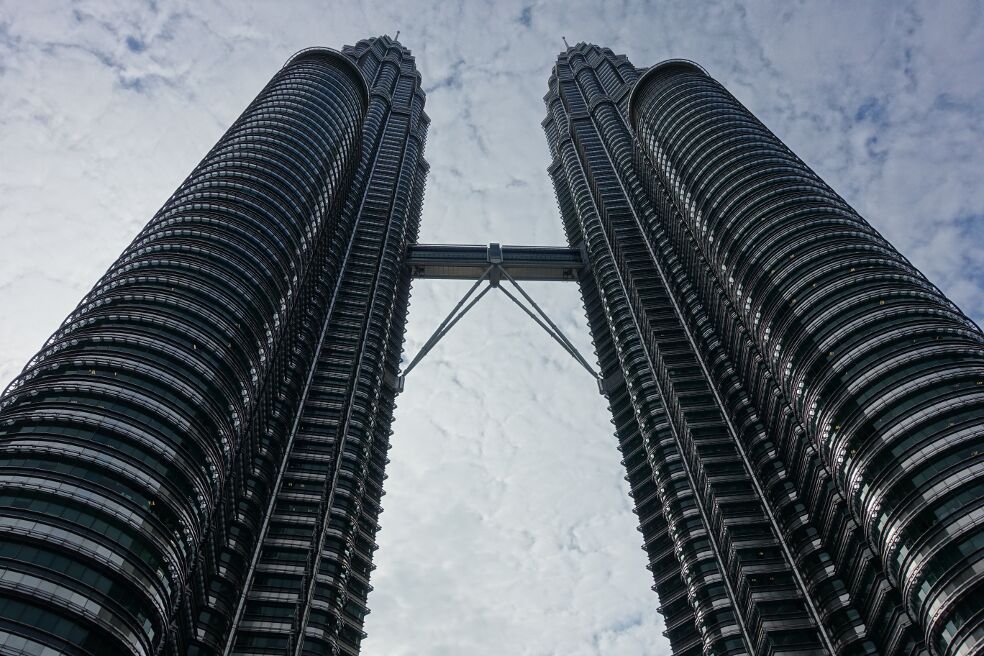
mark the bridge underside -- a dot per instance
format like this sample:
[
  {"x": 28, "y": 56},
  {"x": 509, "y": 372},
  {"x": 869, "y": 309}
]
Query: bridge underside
[{"x": 471, "y": 262}]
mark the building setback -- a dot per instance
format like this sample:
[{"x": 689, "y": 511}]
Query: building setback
[
  {"x": 193, "y": 463},
  {"x": 801, "y": 412}
]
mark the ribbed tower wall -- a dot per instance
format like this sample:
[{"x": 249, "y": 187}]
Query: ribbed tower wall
[
  {"x": 741, "y": 587},
  {"x": 776, "y": 332},
  {"x": 868, "y": 377},
  {"x": 144, "y": 451},
  {"x": 309, "y": 580}
]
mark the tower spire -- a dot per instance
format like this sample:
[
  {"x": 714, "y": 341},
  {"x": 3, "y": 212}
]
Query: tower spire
[{"x": 566, "y": 45}]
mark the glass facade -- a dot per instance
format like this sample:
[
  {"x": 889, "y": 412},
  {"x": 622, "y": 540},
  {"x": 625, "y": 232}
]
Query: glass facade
[
  {"x": 307, "y": 583},
  {"x": 193, "y": 462},
  {"x": 804, "y": 404}
]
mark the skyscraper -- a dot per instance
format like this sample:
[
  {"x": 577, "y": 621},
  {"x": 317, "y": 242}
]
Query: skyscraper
[
  {"x": 801, "y": 412},
  {"x": 193, "y": 464}
]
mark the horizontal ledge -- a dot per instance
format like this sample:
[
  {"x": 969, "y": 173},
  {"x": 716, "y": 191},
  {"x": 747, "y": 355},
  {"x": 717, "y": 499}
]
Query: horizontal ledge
[{"x": 469, "y": 262}]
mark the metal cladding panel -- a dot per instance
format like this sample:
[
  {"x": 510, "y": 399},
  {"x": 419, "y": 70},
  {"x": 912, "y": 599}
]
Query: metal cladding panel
[
  {"x": 467, "y": 262},
  {"x": 633, "y": 444},
  {"x": 308, "y": 581},
  {"x": 880, "y": 375},
  {"x": 692, "y": 238},
  {"x": 127, "y": 443},
  {"x": 643, "y": 436}
]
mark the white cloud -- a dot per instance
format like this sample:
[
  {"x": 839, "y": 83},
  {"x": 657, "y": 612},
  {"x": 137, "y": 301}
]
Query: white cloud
[{"x": 507, "y": 528}]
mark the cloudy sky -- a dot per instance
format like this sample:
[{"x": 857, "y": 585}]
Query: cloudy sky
[{"x": 507, "y": 528}]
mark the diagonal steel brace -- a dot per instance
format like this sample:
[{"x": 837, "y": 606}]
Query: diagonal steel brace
[{"x": 494, "y": 274}]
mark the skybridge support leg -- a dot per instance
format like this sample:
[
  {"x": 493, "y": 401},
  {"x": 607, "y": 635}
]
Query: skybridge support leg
[
  {"x": 494, "y": 275},
  {"x": 445, "y": 327}
]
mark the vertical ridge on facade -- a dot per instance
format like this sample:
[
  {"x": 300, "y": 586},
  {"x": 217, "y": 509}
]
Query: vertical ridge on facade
[
  {"x": 210, "y": 425},
  {"x": 879, "y": 373},
  {"x": 779, "y": 332},
  {"x": 311, "y": 574},
  {"x": 725, "y": 545}
]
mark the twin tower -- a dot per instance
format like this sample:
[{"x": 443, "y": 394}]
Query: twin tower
[{"x": 193, "y": 463}]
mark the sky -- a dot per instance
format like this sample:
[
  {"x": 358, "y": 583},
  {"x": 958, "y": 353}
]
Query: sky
[{"x": 507, "y": 527}]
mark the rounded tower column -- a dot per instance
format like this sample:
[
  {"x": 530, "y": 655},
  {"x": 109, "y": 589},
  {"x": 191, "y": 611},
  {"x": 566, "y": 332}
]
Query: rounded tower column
[
  {"x": 125, "y": 443},
  {"x": 883, "y": 375}
]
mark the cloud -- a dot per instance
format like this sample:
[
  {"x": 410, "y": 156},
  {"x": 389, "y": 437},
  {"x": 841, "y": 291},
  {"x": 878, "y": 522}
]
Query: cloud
[
  {"x": 526, "y": 16},
  {"x": 134, "y": 44},
  {"x": 507, "y": 528},
  {"x": 450, "y": 81}
]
